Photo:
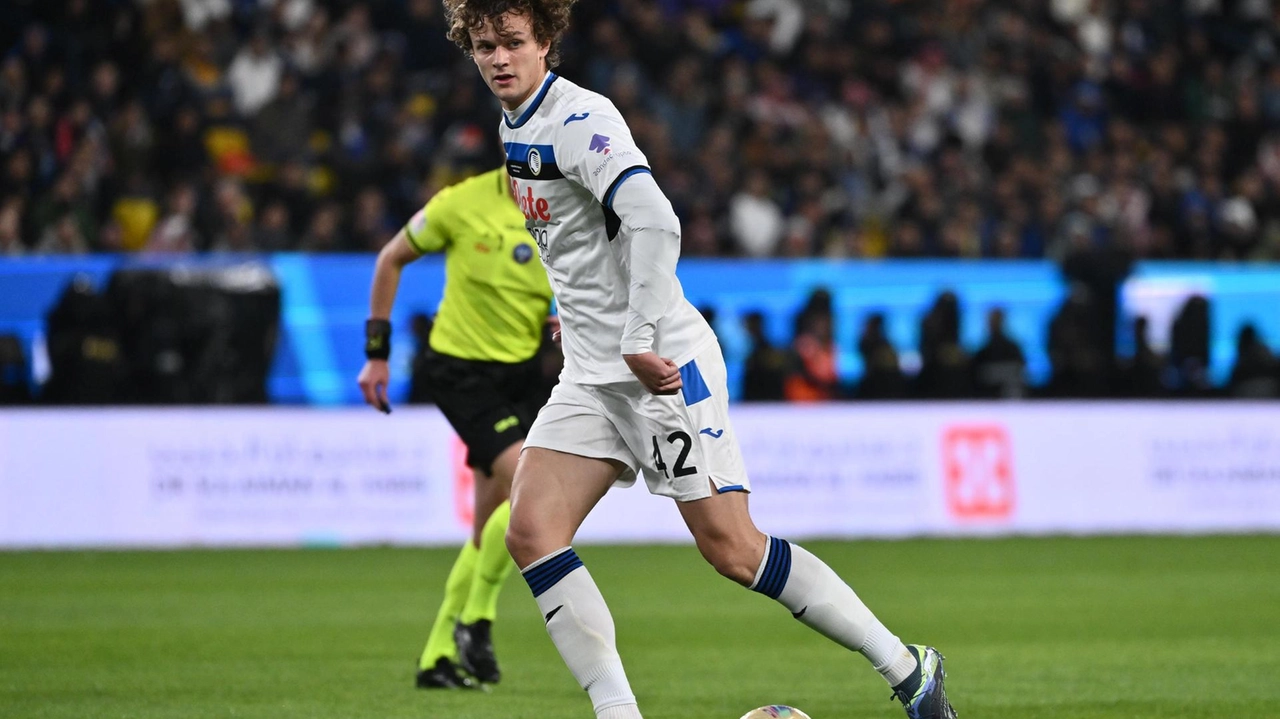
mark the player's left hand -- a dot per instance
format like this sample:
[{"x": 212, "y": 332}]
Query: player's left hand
[{"x": 658, "y": 374}]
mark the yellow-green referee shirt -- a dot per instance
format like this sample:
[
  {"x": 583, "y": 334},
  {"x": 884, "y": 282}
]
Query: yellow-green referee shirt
[{"x": 496, "y": 294}]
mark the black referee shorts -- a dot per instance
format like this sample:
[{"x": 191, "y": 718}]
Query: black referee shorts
[{"x": 491, "y": 405}]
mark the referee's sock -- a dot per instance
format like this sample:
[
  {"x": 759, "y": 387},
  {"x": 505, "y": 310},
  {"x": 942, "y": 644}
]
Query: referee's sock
[
  {"x": 456, "y": 588},
  {"x": 582, "y": 629},
  {"x": 493, "y": 566},
  {"x": 819, "y": 598}
]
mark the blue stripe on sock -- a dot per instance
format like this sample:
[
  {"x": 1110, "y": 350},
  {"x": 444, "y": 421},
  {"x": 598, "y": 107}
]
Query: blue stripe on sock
[
  {"x": 549, "y": 573},
  {"x": 777, "y": 569},
  {"x": 782, "y": 565}
]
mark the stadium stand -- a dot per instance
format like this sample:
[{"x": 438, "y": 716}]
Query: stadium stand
[{"x": 785, "y": 127}]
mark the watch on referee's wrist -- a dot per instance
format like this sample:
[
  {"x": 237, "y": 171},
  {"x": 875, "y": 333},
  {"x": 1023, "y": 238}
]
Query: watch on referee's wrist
[{"x": 377, "y": 339}]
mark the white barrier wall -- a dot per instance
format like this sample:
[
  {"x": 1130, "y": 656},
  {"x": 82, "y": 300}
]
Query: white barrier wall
[{"x": 173, "y": 477}]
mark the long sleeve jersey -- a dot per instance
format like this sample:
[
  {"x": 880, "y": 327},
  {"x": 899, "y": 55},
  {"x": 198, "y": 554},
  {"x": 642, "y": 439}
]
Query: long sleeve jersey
[{"x": 611, "y": 263}]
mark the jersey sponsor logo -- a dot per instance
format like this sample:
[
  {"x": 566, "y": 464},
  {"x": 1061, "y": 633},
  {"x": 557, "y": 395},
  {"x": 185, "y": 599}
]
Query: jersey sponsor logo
[
  {"x": 522, "y": 254},
  {"x": 535, "y": 162},
  {"x": 978, "y": 471},
  {"x": 599, "y": 143},
  {"x": 576, "y": 116},
  {"x": 712, "y": 434},
  {"x": 534, "y": 208},
  {"x": 609, "y": 157}
]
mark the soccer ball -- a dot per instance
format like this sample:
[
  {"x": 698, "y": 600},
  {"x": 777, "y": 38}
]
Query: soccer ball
[{"x": 775, "y": 711}]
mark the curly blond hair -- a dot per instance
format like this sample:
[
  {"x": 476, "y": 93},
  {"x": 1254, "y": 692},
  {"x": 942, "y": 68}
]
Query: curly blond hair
[{"x": 550, "y": 18}]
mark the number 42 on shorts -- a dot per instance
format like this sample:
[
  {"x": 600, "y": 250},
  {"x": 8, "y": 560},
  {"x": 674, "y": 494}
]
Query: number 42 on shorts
[{"x": 680, "y": 470}]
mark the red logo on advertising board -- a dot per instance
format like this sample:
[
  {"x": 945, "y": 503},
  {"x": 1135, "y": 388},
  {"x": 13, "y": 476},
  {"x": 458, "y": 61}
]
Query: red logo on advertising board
[
  {"x": 977, "y": 465},
  {"x": 464, "y": 500}
]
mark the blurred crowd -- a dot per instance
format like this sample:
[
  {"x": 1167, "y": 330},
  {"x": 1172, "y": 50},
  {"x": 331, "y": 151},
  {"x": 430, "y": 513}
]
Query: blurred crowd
[
  {"x": 966, "y": 128},
  {"x": 1083, "y": 363}
]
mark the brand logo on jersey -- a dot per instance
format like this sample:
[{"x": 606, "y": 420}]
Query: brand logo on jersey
[
  {"x": 418, "y": 223},
  {"x": 576, "y": 116},
  {"x": 712, "y": 434},
  {"x": 535, "y": 162},
  {"x": 534, "y": 208},
  {"x": 599, "y": 143},
  {"x": 522, "y": 254}
]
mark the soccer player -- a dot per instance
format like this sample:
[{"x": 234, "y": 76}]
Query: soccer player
[
  {"x": 483, "y": 374},
  {"x": 643, "y": 386}
]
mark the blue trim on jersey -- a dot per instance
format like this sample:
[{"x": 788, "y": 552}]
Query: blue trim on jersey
[
  {"x": 608, "y": 200},
  {"x": 549, "y": 573},
  {"x": 693, "y": 386},
  {"x": 519, "y": 152},
  {"x": 731, "y": 488},
  {"x": 542, "y": 93}
]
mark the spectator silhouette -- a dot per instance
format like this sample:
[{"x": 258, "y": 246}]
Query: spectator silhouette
[
  {"x": 944, "y": 369},
  {"x": 1256, "y": 374},
  {"x": 13, "y": 371},
  {"x": 813, "y": 377},
  {"x": 765, "y": 370},
  {"x": 1079, "y": 364},
  {"x": 1140, "y": 375},
  {"x": 882, "y": 376},
  {"x": 1189, "y": 348},
  {"x": 999, "y": 366},
  {"x": 709, "y": 315}
]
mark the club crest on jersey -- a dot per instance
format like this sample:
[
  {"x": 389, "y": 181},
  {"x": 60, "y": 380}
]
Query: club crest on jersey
[
  {"x": 522, "y": 254},
  {"x": 535, "y": 162}
]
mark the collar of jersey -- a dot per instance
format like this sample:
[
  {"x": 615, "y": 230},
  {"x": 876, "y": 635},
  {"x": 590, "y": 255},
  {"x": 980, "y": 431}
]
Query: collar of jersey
[{"x": 532, "y": 107}]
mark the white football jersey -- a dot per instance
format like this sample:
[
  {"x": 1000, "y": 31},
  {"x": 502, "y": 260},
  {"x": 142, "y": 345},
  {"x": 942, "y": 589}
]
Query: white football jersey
[{"x": 568, "y": 150}]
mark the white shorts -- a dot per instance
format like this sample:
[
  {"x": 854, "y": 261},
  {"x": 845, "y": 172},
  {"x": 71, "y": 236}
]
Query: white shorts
[{"x": 683, "y": 442}]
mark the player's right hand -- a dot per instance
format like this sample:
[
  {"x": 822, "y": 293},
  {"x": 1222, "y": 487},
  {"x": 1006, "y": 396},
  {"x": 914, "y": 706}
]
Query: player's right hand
[
  {"x": 658, "y": 374},
  {"x": 373, "y": 381}
]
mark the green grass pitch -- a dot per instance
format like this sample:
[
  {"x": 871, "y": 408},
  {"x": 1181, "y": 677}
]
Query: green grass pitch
[{"x": 1102, "y": 628}]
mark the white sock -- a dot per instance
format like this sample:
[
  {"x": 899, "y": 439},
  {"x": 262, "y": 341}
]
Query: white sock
[
  {"x": 817, "y": 596},
  {"x": 581, "y": 627}
]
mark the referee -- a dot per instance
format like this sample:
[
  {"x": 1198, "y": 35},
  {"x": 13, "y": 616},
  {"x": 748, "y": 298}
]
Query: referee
[{"x": 483, "y": 374}]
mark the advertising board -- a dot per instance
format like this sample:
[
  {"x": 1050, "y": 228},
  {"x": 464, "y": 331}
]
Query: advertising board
[{"x": 290, "y": 477}]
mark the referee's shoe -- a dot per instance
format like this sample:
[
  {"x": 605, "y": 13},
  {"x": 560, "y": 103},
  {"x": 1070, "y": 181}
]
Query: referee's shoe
[
  {"x": 475, "y": 650},
  {"x": 444, "y": 675}
]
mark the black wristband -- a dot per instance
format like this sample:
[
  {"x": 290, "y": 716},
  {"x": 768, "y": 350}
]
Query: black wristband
[{"x": 377, "y": 339}]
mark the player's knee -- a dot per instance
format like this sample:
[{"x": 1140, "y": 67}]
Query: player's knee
[
  {"x": 731, "y": 556},
  {"x": 522, "y": 541}
]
